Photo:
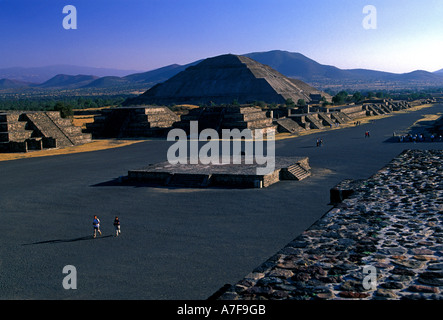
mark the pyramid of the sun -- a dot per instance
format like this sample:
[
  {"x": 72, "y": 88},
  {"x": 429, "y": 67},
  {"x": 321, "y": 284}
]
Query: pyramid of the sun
[{"x": 225, "y": 79}]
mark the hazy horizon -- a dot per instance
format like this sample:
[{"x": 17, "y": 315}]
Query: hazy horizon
[{"x": 146, "y": 35}]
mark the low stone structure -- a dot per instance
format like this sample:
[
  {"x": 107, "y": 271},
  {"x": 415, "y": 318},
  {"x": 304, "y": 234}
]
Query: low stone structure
[
  {"x": 231, "y": 117},
  {"x": 231, "y": 175},
  {"x": 299, "y": 120},
  {"x": 24, "y": 131},
  {"x": 139, "y": 121},
  {"x": 390, "y": 224}
]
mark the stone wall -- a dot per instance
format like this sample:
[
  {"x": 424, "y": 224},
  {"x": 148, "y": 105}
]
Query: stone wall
[
  {"x": 390, "y": 224},
  {"x": 219, "y": 118}
]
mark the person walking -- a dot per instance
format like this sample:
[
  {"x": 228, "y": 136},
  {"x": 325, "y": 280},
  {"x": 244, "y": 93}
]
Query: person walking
[
  {"x": 117, "y": 226},
  {"x": 96, "y": 224}
]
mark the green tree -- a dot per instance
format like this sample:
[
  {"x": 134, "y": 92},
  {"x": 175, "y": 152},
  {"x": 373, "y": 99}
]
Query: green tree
[
  {"x": 340, "y": 97},
  {"x": 261, "y": 104},
  {"x": 301, "y": 102},
  {"x": 64, "y": 109},
  {"x": 289, "y": 103},
  {"x": 357, "y": 97}
]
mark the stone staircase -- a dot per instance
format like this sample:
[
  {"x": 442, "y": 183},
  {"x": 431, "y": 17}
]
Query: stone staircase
[
  {"x": 287, "y": 125},
  {"x": 375, "y": 111},
  {"x": 74, "y": 134},
  {"x": 41, "y": 123},
  {"x": 340, "y": 117},
  {"x": 327, "y": 121},
  {"x": 23, "y": 131},
  {"x": 51, "y": 125},
  {"x": 295, "y": 172},
  {"x": 315, "y": 122}
]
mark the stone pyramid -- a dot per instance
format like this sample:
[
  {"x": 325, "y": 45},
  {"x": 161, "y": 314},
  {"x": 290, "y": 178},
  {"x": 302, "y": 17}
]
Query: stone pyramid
[{"x": 225, "y": 79}]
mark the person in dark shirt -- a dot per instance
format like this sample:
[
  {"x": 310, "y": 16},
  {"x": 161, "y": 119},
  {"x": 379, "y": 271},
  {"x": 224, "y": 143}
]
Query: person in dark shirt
[{"x": 117, "y": 226}]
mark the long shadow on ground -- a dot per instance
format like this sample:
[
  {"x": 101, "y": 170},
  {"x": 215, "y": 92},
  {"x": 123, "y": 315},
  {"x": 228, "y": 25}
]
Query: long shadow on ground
[{"x": 90, "y": 237}]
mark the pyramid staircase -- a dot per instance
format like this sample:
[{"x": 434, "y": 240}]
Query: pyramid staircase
[
  {"x": 326, "y": 120},
  {"x": 23, "y": 131},
  {"x": 288, "y": 125},
  {"x": 43, "y": 124},
  {"x": 340, "y": 117},
  {"x": 295, "y": 172},
  {"x": 315, "y": 123}
]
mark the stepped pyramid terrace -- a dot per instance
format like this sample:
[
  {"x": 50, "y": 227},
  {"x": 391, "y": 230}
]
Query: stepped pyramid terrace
[
  {"x": 24, "y": 131},
  {"x": 134, "y": 121},
  {"x": 233, "y": 117}
]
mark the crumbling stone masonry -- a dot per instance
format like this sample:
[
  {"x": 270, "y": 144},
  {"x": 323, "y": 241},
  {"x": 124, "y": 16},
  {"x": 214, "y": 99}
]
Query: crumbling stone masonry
[{"x": 390, "y": 223}]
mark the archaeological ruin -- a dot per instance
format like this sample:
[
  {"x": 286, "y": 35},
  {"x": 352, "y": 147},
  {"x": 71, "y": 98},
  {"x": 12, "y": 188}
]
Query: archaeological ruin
[
  {"x": 25, "y": 131},
  {"x": 229, "y": 175},
  {"x": 138, "y": 121}
]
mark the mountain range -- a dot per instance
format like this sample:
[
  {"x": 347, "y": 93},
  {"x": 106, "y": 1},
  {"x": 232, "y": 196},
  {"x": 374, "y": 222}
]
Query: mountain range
[
  {"x": 290, "y": 64},
  {"x": 39, "y": 75}
]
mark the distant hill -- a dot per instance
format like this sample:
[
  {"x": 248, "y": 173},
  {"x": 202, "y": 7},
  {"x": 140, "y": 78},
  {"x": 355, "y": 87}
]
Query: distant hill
[
  {"x": 147, "y": 79},
  {"x": 106, "y": 82},
  {"x": 12, "y": 84},
  {"x": 67, "y": 81},
  {"x": 298, "y": 66},
  {"x": 42, "y": 74}
]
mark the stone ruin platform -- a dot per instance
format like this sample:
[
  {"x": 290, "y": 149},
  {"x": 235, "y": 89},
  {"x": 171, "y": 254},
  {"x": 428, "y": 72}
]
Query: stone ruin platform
[{"x": 230, "y": 175}]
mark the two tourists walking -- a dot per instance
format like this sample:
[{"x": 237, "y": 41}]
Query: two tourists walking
[{"x": 96, "y": 225}]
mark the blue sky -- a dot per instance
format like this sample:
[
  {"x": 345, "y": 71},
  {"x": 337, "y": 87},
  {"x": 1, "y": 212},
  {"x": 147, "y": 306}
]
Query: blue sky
[{"x": 147, "y": 34}]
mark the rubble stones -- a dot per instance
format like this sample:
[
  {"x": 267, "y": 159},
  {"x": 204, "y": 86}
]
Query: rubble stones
[{"x": 391, "y": 224}]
